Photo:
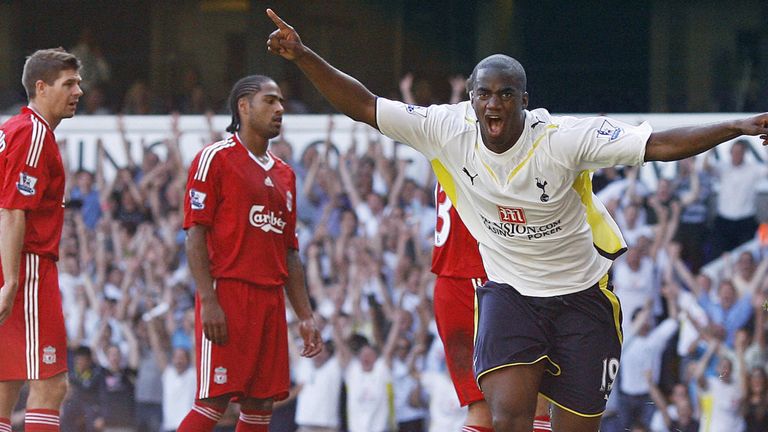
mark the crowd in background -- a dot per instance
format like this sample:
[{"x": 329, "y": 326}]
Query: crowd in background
[{"x": 692, "y": 286}]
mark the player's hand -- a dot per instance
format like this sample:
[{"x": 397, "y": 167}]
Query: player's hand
[
  {"x": 7, "y": 296},
  {"x": 284, "y": 41},
  {"x": 757, "y": 125},
  {"x": 313, "y": 343},
  {"x": 214, "y": 321}
]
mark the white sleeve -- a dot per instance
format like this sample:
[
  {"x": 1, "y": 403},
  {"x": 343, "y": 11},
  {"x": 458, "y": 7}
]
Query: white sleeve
[
  {"x": 661, "y": 334},
  {"x": 426, "y": 129},
  {"x": 598, "y": 142}
]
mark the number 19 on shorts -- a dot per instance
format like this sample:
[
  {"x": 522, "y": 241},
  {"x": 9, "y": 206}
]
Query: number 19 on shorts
[{"x": 610, "y": 370}]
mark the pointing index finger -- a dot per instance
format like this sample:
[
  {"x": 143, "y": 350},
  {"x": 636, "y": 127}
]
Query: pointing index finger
[{"x": 282, "y": 25}]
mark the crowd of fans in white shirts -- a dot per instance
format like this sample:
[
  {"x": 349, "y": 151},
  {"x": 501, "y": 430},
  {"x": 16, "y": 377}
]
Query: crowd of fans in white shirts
[{"x": 693, "y": 303}]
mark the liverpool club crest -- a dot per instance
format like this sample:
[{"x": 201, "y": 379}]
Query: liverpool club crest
[
  {"x": 49, "y": 355},
  {"x": 220, "y": 375}
]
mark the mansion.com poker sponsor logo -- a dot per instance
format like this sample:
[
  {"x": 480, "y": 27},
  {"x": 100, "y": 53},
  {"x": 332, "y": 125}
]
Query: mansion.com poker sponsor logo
[{"x": 518, "y": 228}]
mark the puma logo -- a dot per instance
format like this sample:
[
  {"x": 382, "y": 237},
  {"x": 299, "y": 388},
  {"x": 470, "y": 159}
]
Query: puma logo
[{"x": 471, "y": 177}]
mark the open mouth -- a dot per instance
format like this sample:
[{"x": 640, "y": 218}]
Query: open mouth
[{"x": 495, "y": 124}]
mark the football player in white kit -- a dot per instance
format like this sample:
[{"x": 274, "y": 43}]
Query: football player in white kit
[{"x": 547, "y": 321}]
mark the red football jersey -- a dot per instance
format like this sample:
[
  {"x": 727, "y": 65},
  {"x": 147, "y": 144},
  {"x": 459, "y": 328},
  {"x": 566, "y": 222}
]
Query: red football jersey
[
  {"x": 455, "y": 253},
  {"x": 249, "y": 208},
  {"x": 32, "y": 179}
]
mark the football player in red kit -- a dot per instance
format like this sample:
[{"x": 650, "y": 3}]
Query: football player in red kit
[
  {"x": 34, "y": 345},
  {"x": 240, "y": 217}
]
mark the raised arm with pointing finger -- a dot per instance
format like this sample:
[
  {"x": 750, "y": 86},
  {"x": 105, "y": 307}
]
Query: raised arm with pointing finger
[
  {"x": 345, "y": 93},
  {"x": 352, "y": 98}
]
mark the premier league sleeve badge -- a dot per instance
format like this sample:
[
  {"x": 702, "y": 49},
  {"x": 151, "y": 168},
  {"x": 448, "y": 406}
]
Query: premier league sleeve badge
[{"x": 26, "y": 184}]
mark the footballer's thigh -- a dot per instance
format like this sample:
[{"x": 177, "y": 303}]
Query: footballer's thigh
[
  {"x": 512, "y": 353},
  {"x": 588, "y": 350},
  {"x": 223, "y": 370},
  {"x": 454, "y": 304},
  {"x": 34, "y": 341},
  {"x": 254, "y": 361}
]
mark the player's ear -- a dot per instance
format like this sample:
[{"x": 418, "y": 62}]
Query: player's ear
[
  {"x": 40, "y": 87},
  {"x": 525, "y": 100},
  {"x": 243, "y": 104}
]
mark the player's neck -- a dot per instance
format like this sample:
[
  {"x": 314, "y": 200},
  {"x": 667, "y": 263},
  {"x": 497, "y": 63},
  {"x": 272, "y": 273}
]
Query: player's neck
[
  {"x": 253, "y": 142},
  {"x": 497, "y": 146},
  {"x": 46, "y": 114}
]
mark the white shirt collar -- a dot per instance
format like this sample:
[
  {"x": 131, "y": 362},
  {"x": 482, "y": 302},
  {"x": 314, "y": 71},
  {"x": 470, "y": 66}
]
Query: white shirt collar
[
  {"x": 269, "y": 163},
  {"x": 39, "y": 115}
]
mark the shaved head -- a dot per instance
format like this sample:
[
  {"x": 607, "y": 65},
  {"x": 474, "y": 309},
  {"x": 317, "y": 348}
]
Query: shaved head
[{"x": 500, "y": 62}]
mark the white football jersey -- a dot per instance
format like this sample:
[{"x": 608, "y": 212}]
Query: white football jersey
[{"x": 531, "y": 208}]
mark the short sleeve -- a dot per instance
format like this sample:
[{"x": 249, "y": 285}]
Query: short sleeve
[
  {"x": 24, "y": 155},
  {"x": 426, "y": 129},
  {"x": 291, "y": 238},
  {"x": 202, "y": 191},
  {"x": 598, "y": 142}
]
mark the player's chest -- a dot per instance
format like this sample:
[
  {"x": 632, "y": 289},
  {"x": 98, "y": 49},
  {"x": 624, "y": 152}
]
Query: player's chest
[
  {"x": 54, "y": 190},
  {"x": 534, "y": 180},
  {"x": 248, "y": 184}
]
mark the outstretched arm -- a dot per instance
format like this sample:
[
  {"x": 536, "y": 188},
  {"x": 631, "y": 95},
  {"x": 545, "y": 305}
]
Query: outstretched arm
[
  {"x": 344, "y": 92},
  {"x": 684, "y": 142}
]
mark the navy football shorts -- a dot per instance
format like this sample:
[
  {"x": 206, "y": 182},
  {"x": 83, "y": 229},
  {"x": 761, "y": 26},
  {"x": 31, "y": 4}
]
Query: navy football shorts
[{"x": 578, "y": 337}]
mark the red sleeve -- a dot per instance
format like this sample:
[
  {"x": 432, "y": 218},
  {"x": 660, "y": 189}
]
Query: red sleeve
[
  {"x": 24, "y": 176},
  {"x": 202, "y": 192},
  {"x": 291, "y": 239}
]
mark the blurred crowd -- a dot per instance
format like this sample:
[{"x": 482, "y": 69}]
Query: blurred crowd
[
  {"x": 692, "y": 286},
  {"x": 101, "y": 97},
  {"x": 189, "y": 94}
]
